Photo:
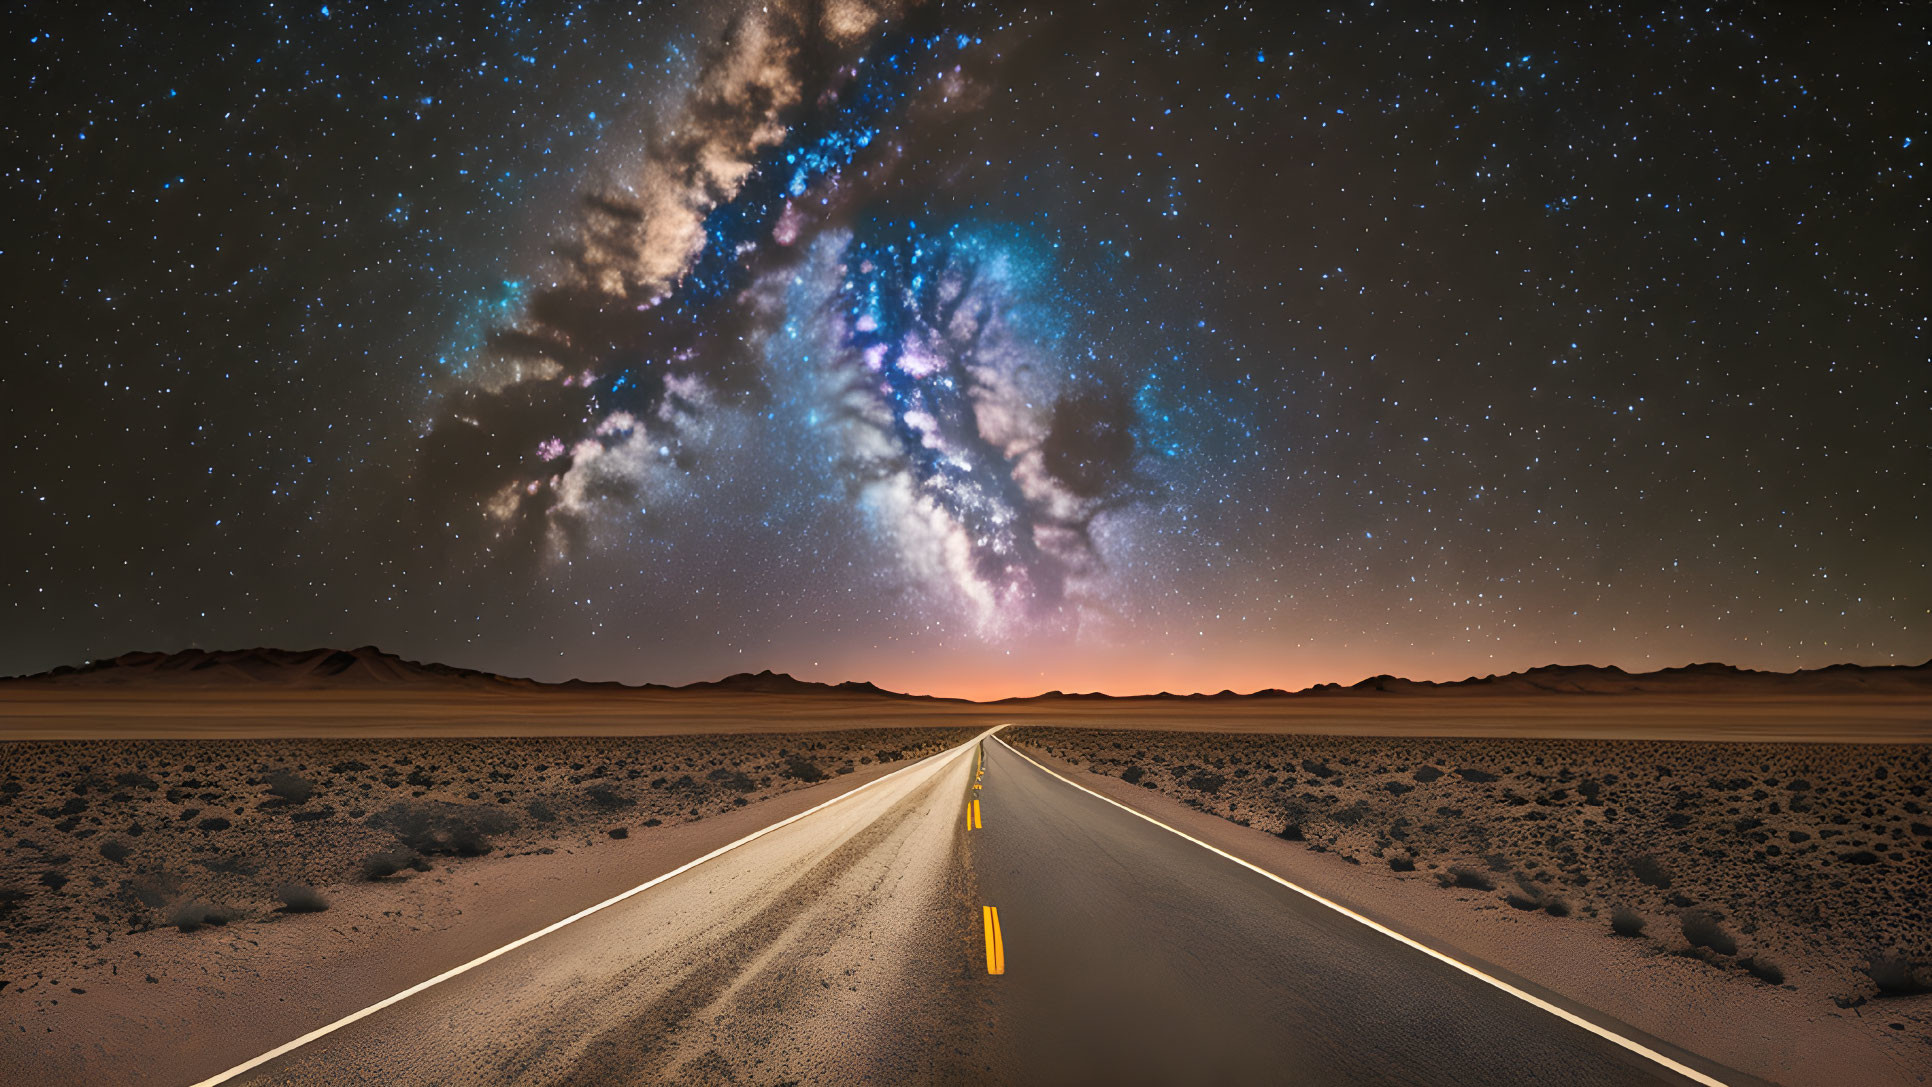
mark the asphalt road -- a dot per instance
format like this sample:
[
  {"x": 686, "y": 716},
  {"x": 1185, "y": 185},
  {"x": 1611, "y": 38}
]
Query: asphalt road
[
  {"x": 1134, "y": 955},
  {"x": 852, "y": 946}
]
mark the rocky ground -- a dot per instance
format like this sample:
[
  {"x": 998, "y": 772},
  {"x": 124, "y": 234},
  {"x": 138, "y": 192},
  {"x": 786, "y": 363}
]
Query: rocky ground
[
  {"x": 102, "y": 839},
  {"x": 1752, "y": 858}
]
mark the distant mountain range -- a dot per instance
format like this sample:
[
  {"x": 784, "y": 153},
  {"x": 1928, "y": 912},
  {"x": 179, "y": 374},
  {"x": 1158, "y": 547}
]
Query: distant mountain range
[
  {"x": 1592, "y": 679},
  {"x": 371, "y": 668}
]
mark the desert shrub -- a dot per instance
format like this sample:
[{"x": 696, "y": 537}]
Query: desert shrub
[
  {"x": 1459, "y": 876},
  {"x": 193, "y": 913},
  {"x": 1132, "y": 775},
  {"x": 1763, "y": 969},
  {"x": 1625, "y": 921},
  {"x": 610, "y": 799},
  {"x": 1401, "y": 862},
  {"x": 383, "y": 865},
  {"x": 1556, "y": 907},
  {"x": 301, "y": 898},
  {"x": 215, "y": 822},
  {"x": 465, "y": 841},
  {"x": 1206, "y": 782},
  {"x": 619, "y": 832},
  {"x": 151, "y": 889},
  {"x": 541, "y": 812},
  {"x": 1472, "y": 774},
  {"x": 449, "y": 829},
  {"x": 286, "y": 786},
  {"x": 1650, "y": 870},
  {"x": 803, "y": 769},
  {"x": 736, "y": 780},
  {"x": 1290, "y": 832},
  {"x": 1702, "y": 929},
  {"x": 1426, "y": 774},
  {"x": 1351, "y": 815},
  {"x": 116, "y": 851},
  {"x": 1896, "y": 975},
  {"x": 1523, "y": 902}
]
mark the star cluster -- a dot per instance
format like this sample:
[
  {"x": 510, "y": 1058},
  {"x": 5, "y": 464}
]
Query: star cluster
[{"x": 970, "y": 347}]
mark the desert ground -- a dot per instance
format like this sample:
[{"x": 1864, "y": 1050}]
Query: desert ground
[
  {"x": 176, "y": 858},
  {"x": 32, "y": 712}
]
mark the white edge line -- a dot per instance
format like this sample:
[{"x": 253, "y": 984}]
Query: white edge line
[
  {"x": 319, "y": 1032},
  {"x": 1601, "y": 1031}
]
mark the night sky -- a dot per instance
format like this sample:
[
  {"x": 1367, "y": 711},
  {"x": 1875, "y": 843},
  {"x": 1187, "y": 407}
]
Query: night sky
[{"x": 969, "y": 348}]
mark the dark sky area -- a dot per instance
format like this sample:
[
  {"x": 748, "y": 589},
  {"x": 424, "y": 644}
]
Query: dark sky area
[{"x": 969, "y": 348}]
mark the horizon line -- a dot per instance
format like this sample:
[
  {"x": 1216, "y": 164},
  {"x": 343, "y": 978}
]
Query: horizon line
[{"x": 868, "y": 686}]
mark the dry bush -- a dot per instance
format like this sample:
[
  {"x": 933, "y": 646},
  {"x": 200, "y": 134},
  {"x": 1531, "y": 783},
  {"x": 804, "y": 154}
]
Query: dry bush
[
  {"x": 383, "y": 865},
  {"x": 1896, "y": 975},
  {"x": 288, "y": 787},
  {"x": 192, "y": 914},
  {"x": 1625, "y": 921},
  {"x": 1459, "y": 876},
  {"x": 301, "y": 898},
  {"x": 1703, "y": 929}
]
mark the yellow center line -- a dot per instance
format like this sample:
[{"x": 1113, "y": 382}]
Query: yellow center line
[
  {"x": 995, "y": 949},
  {"x": 972, "y": 814}
]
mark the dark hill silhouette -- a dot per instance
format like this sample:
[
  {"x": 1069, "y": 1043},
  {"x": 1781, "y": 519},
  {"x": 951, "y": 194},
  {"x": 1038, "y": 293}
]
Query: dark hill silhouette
[
  {"x": 1589, "y": 679},
  {"x": 370, "y": 668}
]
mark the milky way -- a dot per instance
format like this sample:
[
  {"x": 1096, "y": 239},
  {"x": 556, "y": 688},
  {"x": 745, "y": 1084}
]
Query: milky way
[
  {"x": 748, "y": 257},
  {"x": 970, "y": 347}
]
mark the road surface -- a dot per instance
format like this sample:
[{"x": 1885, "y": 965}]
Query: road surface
[{"x": 972, "y": 918}]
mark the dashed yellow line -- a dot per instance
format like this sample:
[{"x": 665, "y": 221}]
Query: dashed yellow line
[
  {"x": 995, "y": 948},
  {"x": 972, "y": 814}
]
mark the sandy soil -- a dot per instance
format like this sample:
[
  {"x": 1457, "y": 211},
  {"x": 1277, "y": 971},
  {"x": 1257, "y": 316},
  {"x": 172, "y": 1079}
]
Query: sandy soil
[
  {"x": 1774, "y": 868},
  {"x": 103, "y": 840},
  {"x": 38, "y": 712}
]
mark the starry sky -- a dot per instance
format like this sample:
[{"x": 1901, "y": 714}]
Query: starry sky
[{"x": 969, "y": 348}]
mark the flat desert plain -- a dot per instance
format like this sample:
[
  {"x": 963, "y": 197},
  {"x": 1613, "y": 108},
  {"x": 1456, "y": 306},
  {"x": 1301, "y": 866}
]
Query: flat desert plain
[{"x": 1739, "y": 874}]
